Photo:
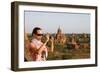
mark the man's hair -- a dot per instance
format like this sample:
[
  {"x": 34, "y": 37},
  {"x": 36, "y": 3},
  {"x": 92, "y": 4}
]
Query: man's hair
[{"x": 35, "y": 30}]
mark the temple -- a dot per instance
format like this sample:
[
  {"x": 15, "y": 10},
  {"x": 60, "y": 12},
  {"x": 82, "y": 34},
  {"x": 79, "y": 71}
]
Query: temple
[{"x": 60, "y": 38}]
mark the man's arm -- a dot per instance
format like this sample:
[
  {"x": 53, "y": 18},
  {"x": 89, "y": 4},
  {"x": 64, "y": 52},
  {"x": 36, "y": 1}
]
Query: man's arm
[
  {"x": 39, "y": 50},
  {"x": 52, "y": 44}
]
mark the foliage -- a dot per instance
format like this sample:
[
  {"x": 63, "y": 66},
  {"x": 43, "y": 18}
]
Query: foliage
[{"x": 67, "y": 51}]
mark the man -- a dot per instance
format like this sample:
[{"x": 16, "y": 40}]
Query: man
[{"x": 39, "y": 50}]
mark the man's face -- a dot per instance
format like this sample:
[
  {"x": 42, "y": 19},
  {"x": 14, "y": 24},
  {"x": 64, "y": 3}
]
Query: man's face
[{"x": 39, "y": 34}]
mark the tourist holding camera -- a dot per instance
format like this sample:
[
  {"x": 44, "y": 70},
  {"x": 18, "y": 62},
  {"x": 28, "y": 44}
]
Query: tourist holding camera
[{"x": 38, "y": 49}]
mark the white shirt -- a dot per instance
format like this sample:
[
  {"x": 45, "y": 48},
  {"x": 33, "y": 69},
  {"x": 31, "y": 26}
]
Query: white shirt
[{"x": 43, "y": 55}]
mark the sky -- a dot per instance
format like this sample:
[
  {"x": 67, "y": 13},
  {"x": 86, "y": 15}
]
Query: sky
[{"x": 51, "y": 21}]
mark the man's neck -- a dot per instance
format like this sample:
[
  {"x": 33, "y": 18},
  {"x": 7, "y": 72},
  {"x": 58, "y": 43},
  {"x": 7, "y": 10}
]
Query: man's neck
[{"x": 37, "y": 39}]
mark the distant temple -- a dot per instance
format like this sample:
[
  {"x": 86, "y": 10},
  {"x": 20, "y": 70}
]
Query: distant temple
[{"x": 60, "y": 38}]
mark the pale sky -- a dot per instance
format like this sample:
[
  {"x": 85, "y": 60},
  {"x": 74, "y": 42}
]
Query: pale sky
[{"x": 50, "y": 21}]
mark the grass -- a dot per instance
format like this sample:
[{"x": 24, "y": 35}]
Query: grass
[{"x": 64, "y": 53}]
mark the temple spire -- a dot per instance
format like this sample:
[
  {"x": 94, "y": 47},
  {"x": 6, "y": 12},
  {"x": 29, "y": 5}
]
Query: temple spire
[{"x": 59, "y": 29}]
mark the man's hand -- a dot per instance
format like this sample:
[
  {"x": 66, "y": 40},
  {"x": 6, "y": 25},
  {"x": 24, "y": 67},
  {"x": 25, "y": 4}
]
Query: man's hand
[
  {"x": 47, "y": 37},
  {"x": 52, "y": 39}
]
